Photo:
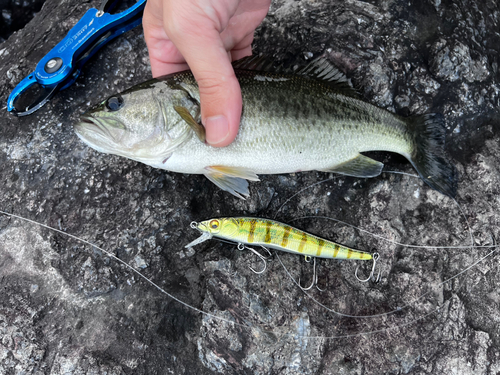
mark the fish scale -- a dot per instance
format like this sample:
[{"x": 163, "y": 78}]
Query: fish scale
[{"x": 289, "y": 131}]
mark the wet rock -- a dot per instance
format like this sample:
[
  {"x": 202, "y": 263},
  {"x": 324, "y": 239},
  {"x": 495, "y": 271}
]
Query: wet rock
[
  {"x": 452, "y": 61},
  {"x": 16, "y": 14}
]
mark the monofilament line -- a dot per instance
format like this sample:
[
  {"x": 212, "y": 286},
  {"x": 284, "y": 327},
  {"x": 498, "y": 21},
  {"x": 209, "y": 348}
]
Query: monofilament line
[{"x": 111, "y": 255}]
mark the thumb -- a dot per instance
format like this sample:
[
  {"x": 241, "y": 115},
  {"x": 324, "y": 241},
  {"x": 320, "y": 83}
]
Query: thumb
[
  {"x": 220, "y": 97},
  {"x": 220, "y": 92}
]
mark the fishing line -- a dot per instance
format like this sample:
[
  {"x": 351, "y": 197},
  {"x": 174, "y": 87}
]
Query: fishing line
[
  {"x": 411, "y": 302},
  {"x": 373, "y": 234},
  {"x": 399, "y": 308},
  {"x": 397, "y": 326},
  {"x": 256, "y": 327},
  {"x": 111, "y": 255},
  {"x": 377, "y": 235},
  {"x": 387, "y": 239},
  {"x": 403, "y": 173},
  {"x": 120, "y": 261},
  {"x": 294, "y": 335}
]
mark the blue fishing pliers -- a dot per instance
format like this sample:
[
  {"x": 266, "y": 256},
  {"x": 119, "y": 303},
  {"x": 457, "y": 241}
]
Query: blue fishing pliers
[{"x": 62, "y": 65}]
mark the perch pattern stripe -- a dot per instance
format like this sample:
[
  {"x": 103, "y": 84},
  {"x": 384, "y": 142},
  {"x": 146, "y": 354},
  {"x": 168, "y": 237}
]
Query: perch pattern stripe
[{"x": 280, "y": 236}]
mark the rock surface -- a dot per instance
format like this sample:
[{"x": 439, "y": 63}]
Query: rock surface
[
  {"x": 14, "y": 14},
  {"x": 68, "y": 308}
]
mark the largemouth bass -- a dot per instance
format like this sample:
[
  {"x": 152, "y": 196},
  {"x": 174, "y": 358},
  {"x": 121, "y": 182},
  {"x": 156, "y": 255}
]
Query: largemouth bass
[{"x": 309, "y": 120}]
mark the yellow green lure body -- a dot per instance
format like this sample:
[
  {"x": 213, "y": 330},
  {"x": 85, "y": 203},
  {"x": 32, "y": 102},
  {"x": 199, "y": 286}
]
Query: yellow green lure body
[{"x": 275, "y": 235}]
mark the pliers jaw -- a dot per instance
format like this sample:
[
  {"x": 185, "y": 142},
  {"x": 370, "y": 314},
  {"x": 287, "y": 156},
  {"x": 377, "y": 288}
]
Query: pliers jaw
[
  {"x": 62, "y": 65},
  {"x": 28, "y": 96}
]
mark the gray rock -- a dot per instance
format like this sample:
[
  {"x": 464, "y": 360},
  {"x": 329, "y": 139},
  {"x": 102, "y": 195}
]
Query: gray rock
[{"x": 67, "y": 307}]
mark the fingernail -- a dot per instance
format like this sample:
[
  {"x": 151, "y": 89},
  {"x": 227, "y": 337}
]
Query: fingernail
[{"x": 217, "y": 129}]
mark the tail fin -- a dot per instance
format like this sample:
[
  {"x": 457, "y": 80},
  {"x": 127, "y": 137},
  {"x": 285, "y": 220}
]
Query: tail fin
[{"x": 428, "y": 155}]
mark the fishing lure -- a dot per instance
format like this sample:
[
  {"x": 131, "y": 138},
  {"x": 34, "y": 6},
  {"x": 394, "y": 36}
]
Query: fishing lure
[{"x": 275, "y": 235}]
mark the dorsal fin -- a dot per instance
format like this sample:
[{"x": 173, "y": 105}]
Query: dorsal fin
[
  {"x": 319, "y": 69},
  {"x": 323, "y": 70},
  {"x": 260, "y": 64}
]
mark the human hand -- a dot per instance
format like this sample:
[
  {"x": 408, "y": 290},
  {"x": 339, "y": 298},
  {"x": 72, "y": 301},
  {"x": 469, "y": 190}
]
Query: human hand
[{"x": 208, "y": 35}]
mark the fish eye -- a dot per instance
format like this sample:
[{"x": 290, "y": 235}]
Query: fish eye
[
  {"x": 214, "y": 224},
  {"x": 114, "y": 103}
]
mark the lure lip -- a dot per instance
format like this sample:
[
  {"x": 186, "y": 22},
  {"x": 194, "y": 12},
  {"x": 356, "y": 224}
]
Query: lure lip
[{"x": 205, "y": 234}]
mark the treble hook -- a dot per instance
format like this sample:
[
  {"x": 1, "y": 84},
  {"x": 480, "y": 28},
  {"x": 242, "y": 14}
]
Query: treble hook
[
  {"x": 242, "y": 247},
  {"x": 315, "y": 276},
  {"x": 375, "y": 257}
]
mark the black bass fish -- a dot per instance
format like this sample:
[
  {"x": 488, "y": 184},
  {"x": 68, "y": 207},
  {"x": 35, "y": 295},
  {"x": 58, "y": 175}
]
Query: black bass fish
[{"x": 309, "y": 120}]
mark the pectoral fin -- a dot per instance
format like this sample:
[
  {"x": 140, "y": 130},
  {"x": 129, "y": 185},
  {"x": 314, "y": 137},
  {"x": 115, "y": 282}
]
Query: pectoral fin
[
  {"x": 231, "y": 179},
  {"x": 198, "y": 128},
  {"x": 360, "y": 166}
]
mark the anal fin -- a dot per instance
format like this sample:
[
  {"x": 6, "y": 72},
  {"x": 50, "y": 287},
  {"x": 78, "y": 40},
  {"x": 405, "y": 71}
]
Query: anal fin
[
  {"x": 231, "y": 179},
  {"x": 359, "y": 166}
]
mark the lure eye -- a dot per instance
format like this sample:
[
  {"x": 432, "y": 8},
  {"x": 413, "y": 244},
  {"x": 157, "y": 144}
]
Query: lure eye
[
  {"x": 114, "y": 103},
  {"x": 214, "y": 224}
]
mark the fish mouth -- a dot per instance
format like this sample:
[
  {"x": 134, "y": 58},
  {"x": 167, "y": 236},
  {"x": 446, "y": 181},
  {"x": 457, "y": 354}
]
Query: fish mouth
[
  {"x": 95, "y": 133},
  {"x": 106, "y": 127},
  {"x": 90, "y": 123}
]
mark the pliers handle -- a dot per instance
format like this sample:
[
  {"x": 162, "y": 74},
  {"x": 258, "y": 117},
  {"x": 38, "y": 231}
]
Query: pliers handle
[{"x": 59, "y": 68}]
